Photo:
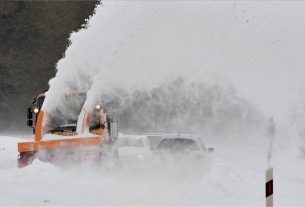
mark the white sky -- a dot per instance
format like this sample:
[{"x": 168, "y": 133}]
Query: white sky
[{"x": 258, "y": 46}]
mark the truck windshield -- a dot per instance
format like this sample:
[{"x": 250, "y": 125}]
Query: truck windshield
[
  {"x": 65, "y": 116},
  {"x": 40, "y": 101}
]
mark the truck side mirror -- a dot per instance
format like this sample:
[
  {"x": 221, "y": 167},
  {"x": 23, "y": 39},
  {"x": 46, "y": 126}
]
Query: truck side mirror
[
  {"x": 30, "y": 122},
  {"x": 29, "y": 113}
]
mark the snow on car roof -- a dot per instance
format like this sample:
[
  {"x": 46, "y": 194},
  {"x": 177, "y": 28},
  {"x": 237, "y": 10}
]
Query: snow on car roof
[
  {"x": 153, "y": 134},
  {"x": 181, "y": 136}
]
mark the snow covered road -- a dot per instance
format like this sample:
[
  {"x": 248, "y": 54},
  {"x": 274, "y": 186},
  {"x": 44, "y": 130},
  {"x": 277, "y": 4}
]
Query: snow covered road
[{"x": 235, "y": 177}]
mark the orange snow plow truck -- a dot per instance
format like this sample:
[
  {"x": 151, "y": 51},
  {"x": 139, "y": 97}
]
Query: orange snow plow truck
[{"x": 68, "y": 131}]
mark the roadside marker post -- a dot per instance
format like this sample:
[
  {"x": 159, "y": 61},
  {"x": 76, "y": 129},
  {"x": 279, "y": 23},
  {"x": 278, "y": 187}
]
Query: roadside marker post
[
  {"x": 269, "y": 187},
  {"x": 269, "y": 171}
]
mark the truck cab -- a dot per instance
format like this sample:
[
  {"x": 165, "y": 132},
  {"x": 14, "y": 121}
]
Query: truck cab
[
  {"x": 63, "y": 120},
  {"x": 68, "y": 126},
  {"x": 34, "y": 109}
]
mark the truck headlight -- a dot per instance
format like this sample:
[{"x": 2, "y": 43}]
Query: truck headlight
[
  {"x": 36, "y": 110},
  {"x": 98, "y": 107}
]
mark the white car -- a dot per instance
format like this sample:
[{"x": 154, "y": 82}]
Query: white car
[
  {"x": 131, "y": 147},
  {"x": 182, "y": 146}
]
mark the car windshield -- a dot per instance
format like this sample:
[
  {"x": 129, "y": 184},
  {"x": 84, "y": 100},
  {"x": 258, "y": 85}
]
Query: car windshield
[
  {"x": 131, "y": 142},
  {"x": 65, "y": 116},
  {"x": 178, "y": 144}
]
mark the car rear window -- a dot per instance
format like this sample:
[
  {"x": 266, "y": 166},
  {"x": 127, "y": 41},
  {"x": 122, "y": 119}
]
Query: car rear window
[{"x": 178, "y": 144}]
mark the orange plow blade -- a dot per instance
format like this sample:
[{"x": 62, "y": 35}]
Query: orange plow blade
[{"x": 28, "y": 151}]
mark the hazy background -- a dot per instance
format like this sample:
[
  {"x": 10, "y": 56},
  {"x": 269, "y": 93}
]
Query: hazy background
[{"x": 33, "y": 37}]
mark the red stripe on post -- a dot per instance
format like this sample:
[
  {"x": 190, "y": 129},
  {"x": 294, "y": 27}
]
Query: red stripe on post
[{"x": 269, "y": 188}]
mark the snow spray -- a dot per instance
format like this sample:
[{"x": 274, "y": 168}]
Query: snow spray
[{"x": 114, "y": 61}]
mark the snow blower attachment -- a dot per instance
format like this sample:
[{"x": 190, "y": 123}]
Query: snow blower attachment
[{"x": 58, "y": 134}]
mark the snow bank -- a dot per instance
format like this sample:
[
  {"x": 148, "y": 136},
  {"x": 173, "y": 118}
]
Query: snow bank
[{"x": 9, "y": 151}]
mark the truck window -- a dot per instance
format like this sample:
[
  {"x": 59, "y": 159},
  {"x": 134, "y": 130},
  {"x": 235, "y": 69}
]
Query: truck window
[
  {"x": 40, "y": 101},
  {"x": 65, "y": 116}
]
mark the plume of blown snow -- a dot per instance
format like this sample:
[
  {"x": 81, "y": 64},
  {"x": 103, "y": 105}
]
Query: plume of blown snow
[
  {"x": 134, "y": 66},
  {"x": 76, "y": 72},
  {"x": 184, "y": 105}
]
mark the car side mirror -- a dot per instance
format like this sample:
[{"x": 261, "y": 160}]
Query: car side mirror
[{"x": 211, "y": 149}]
